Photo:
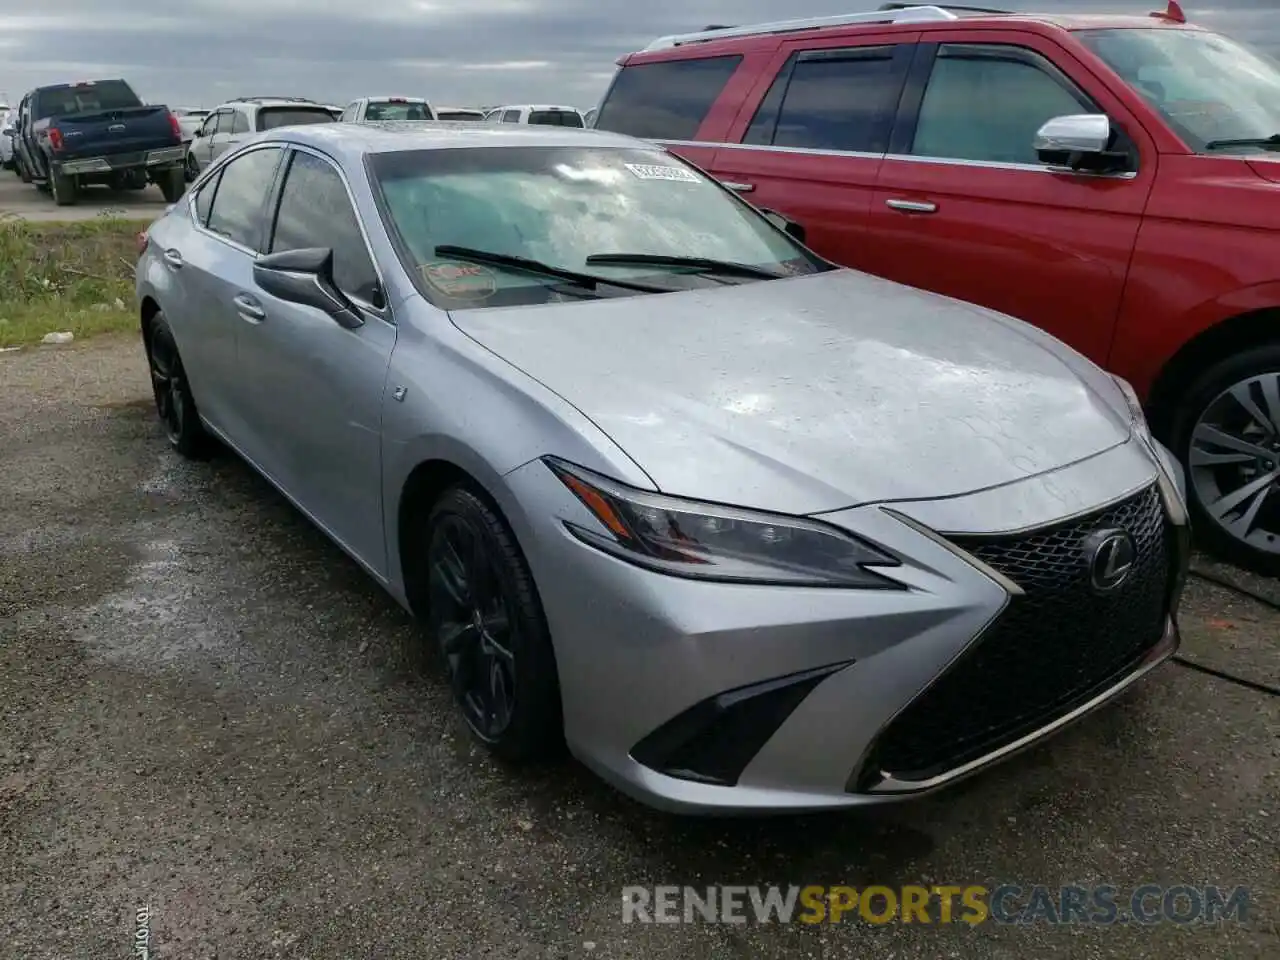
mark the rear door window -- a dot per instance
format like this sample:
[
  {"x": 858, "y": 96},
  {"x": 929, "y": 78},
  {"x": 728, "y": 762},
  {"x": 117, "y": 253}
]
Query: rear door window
[
  {"x": 667, "y": 100},
  {"x": 239, "y": 123},
  {"x": 841, "y": 100},
  {"x": 271, "y": 117},
  {"x": 239, "y": 207}
]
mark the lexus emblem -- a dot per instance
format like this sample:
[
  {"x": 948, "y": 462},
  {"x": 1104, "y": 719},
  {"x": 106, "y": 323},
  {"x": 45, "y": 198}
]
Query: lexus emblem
[{"x": 1110, "y": 555}]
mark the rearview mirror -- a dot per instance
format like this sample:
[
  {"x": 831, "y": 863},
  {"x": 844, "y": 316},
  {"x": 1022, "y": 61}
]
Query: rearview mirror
[
  {"x": 306, "y": 277},
  {"x": 1079, "y": 142},
  {"x": 785, "y": 224}
]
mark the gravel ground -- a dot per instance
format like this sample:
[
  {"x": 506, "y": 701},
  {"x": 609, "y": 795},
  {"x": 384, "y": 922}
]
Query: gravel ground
[
  {"x": 207, "y": 710},
  {"x": 25, "y": 201}
]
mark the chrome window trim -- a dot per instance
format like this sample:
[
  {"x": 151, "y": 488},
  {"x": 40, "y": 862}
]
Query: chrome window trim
[
  {"x": 203, "y": 180},
  {"x": 384, "y": 314},
  {"x": 909, "y": 157}
]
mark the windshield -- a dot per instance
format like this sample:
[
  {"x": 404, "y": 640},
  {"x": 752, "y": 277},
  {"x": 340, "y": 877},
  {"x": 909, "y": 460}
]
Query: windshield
[
  {"x": 556, "y": 118},
  {"x": 84, "y": 97},
  {"x": 1208, "y": 87},
  {"x": 559, "y": 206},
  {"x": 396, "y": 110},
  {"x": 271, "y": 117}
]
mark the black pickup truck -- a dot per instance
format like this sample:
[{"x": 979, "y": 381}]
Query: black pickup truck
[{"x": 99, "y": 131}]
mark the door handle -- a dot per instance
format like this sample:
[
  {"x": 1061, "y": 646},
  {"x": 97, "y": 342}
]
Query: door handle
[
  {"x": 249, "y": 308},
  {"x": 912, "y": 206},
  {"x": 739, "y": 187},
  {"x": 173, "y": 258}
]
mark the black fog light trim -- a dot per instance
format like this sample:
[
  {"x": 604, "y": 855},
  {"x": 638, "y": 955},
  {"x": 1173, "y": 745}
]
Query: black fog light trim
[{"x": 714, "y": 740}]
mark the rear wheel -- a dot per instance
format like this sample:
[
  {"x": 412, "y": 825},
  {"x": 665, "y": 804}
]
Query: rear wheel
[
  {"x": 484, "y": 615},
  {"x": 174, "y": 403},
  {"x": 65, "y": 189},
  {"x": 1227, "y": 432}
]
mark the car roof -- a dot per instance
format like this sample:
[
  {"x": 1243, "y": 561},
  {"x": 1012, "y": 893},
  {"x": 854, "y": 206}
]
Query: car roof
[
  {"x": 919, "y": 18},
  {"x": 536, "y": 106},
  {"x": 395, "y": 96},
  {"x": 350, "y": 141}
]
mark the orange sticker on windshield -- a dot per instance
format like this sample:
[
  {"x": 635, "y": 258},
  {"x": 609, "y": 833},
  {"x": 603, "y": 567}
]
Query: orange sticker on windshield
[{"x": 460, "y": 281}]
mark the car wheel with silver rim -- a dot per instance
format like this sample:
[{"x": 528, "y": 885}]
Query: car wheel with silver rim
[{"x": 1228, "y": 435}]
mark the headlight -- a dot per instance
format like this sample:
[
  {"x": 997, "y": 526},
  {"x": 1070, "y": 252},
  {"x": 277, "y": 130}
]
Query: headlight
[
  {"x": 1136, "y": 415},
  {"x": 706, "y": 541}
]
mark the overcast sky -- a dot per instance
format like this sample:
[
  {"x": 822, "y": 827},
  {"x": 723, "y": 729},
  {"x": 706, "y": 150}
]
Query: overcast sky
[{"x": 460, "y": 52}]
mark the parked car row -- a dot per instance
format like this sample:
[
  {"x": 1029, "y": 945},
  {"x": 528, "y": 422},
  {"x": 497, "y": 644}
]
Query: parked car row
[{"x": 1113, "y": 180}]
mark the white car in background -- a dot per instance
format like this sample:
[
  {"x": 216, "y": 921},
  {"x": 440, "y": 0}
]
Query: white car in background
[
  {"x": 7, "y": 117},
  {"x": 237, "y": 120},
  {"x": 387, "y": 108},
  {"x": 549, "y": 115},
  {"x": 190, "y": 119}
]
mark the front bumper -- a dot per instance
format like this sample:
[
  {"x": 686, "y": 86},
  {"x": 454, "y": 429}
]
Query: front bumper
[
  {"x": 124, "y": 161},
  {"x": 712, "y": 697}
]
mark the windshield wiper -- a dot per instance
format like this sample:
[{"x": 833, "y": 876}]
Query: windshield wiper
[
  {"x": 1271, "y": 141},
  {"x": 589, "y": 280},
  {"x": 702, "y": 264}
]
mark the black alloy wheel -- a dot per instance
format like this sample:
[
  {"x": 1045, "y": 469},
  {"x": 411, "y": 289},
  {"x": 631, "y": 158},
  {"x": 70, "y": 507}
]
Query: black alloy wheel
[
  {"x": 485, "y": 618},
  {"x": 174, "y": 403}
]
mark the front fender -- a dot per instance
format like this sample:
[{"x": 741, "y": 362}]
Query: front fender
[{"x": 464, "y": 405}]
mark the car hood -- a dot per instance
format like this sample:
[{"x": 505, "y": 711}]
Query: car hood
[{"x": 812, "y": 393}]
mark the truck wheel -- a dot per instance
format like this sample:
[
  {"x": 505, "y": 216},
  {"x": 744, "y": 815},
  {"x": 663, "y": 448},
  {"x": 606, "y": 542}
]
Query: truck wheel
[
  {"x": 1227, "y": 433},
  {"x": 64, "y": 188},
  {"x": 172, "y": 183}
]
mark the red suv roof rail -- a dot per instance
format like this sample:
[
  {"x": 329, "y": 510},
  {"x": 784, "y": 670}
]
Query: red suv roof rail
[{"x": 925, "y": 13}]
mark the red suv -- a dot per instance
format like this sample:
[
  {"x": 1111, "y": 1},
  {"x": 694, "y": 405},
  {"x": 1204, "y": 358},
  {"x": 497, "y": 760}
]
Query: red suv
[{"x": 1114, "y": 180}]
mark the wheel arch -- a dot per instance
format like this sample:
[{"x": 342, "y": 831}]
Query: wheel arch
[{"x": 1242, "y": 331}]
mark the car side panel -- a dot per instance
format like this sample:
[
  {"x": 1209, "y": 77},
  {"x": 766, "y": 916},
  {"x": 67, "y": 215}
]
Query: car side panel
[
  {"x": 1207, "y": 251},
  {"x": 1049, "y": 248}
]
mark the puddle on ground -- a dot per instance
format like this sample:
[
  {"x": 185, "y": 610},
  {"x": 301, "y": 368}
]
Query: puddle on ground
[{"x": 156, "y": 617}]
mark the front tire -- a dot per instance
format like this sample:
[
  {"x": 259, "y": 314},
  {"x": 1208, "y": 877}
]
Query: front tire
[
  {"x": 484, "y": 615},
  {"x": 174, "y": 404},
  {"x": 1227, "y": 433}
]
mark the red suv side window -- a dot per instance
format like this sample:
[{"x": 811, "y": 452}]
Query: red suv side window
[
  {"x": 986, "y": 102},
  {"x": 666, "y": 100},
  {"x": 830, "y": 100}
]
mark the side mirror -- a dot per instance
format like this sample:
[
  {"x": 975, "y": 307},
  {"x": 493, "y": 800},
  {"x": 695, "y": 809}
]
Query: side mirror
[
  {"x": 306, "y": 277},
  {"x": 7, "y": 132},
  {"x": 785, "y": 224},
  {"x": 1078, "y": 143}
]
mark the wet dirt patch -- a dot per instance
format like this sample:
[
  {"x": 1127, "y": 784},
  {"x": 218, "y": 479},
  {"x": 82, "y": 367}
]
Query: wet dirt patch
[{"x": 69, "y": 574}]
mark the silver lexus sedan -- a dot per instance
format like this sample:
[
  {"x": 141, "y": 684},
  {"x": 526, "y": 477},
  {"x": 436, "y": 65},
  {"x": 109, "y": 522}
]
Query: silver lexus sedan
[{"x": 746, "y": 531}]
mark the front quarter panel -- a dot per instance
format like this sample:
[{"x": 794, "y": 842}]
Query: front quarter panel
[{"x": 466, "y": 406}]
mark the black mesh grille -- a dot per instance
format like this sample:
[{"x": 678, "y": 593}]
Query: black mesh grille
[{"x": 1050, "y": 650}]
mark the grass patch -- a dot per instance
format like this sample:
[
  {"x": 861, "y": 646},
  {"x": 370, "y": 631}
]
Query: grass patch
[{"x": 74, "y": 276}]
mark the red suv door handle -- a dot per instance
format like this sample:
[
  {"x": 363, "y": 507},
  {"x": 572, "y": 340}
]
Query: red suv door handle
[
  {"x": 739, "y": 187},
  {"x": 912, "y": 206}
]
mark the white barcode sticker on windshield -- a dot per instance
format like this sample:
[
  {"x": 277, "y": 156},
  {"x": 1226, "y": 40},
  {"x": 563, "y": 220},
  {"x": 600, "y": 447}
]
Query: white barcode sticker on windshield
[{"x": 657, "y": 171}]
